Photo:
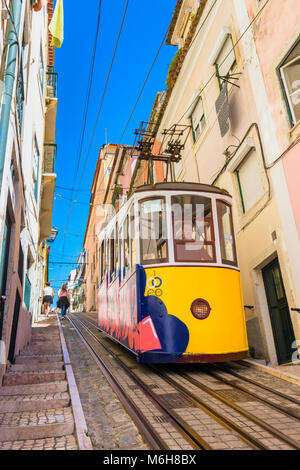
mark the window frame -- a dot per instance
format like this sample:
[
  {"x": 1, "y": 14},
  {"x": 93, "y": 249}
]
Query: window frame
[
  {"x": 156, "y": 260},
  {"x": 284, "y": 88},
  {"x": 200, "y": 124},
  {"x": 211, "y": 243},
  {"x": 221, "y": 233},
  {"x": 245, "y": 209},
  {"x": 217, "y": 65}
]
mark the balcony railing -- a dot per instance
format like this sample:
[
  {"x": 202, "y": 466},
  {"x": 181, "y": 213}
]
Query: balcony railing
[
  {"x": 49, "y": 158},
  {"x": 52, "y": 78}
]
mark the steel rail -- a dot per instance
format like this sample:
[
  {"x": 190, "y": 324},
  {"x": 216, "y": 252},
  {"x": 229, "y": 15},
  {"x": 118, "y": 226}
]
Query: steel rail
[
  {"x": 247, "y": 414},
  {"x": 185, "y": 430},
  {"x": 239, "y": 409},
  {"x": 147, "y": 431},
  {"x": 229, "y": 423},
  {"x": 277, "y": 407},
  {"x": 243, "y": 435},
  {"x": 265, "y": 387}
]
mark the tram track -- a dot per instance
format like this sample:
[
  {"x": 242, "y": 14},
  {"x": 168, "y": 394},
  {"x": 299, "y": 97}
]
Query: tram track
[
  {"x": 266, "y": 401},
  {"x": 246, "y": 437},
  {"x": 149, "y": 433}
]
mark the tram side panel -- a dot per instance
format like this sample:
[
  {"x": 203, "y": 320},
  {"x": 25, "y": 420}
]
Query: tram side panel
[
  {"x": 168, "y": 295},
  {"x": 117, "y": 312}
]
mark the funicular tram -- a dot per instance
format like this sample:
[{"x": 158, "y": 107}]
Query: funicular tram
[{"x": 169, "y": 283}]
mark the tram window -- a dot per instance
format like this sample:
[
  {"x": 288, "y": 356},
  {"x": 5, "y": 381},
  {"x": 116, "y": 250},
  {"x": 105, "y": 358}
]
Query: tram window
[
  {"x": 120, "y": 245},
  {"x": 153, "y": 231},
  {"x": 102, "y": 261},
  {"x": 132, "y": 238},
  {"x": 228, "y": 250},
  {"x": 112, "y": 255},
  {"x": 117, "y": 250},
  {"x": 126, "y": 244},
  {"x": 194, "y": 239}
]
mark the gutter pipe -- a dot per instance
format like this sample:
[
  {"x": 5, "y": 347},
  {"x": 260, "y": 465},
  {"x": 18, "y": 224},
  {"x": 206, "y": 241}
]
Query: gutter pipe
[{"x": 8, "y": 78}]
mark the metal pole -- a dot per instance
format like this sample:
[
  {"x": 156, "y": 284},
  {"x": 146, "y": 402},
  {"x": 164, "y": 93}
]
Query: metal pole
[{"x": 8, "y": 78}]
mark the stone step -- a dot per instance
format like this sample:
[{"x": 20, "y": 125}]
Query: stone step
[
  {"x": 35, "y": 367},
  {"x": 42, "y": 342},
  {"x": 36, "y": 402},
  {"x": 39, "y": 359},
  {"x": 36, "y": 424},
  {"x": 58, "y": 386},
  {"x": 43, "y": 352},
  {"x": 25, "y": 378},
  {"x": 48, "y": 443}
]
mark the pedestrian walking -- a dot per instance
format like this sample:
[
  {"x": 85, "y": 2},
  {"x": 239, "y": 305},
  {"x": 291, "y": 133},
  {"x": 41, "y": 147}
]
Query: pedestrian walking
[
  {"x": 63, "y": 300},
  {"x": 47, "y": 298}
]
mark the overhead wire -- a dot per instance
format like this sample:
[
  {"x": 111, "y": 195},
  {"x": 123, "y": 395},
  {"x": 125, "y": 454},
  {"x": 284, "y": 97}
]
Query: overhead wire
[
  {"x": 90, "y": 82},
  {"x": 97, "y": 119},
  {"x": 202, "y": 89}
]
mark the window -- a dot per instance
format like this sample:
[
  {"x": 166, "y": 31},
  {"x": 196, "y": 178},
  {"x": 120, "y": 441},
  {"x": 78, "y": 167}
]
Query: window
[
  {"x": 197, "y": 119},
  {"x": 193, "y": 230},
  {"x": 250, "y": 181},
  {"x": 225, "y": 60},
  {"x": 126, "y": 245},
  {"x": 228, "y": 251},
  {"x": 35, "y": 169},
  {"x": 41, "y": 69},
  {"x": 153, "y": 231},
  {"x": 290, "y": 75},
  {"x": 112, "y": 254},
  {"x": 132, "y": 238},
  {"x": 102, "y": 261}
]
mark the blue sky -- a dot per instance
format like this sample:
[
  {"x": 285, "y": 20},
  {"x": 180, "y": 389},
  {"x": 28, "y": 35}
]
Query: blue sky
[{"x": 145, "y": 25}]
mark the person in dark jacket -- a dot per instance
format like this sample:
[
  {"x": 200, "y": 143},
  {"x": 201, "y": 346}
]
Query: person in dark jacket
[{"x": 63, "y": 300}]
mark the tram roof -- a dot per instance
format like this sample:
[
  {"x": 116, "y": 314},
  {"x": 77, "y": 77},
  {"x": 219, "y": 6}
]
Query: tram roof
[{"x": 181, "y": 186}]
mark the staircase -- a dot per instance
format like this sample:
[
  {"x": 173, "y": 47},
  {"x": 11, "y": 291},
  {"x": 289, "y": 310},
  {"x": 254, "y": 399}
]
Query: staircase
[{"x": 35, "y": 405}]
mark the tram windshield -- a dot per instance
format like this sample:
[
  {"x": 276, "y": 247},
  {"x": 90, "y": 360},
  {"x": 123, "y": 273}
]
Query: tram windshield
[
  {"x": 153, "y": 231},
  {"x": 194, "y": 239}
]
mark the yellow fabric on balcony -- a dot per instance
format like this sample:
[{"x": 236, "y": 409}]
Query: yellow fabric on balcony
[{"x": 56, "y": 26}]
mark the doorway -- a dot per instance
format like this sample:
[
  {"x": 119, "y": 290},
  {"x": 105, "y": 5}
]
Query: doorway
[
  {"x": 4, "y": 267},
  {"x": 14, "y": 328},
  {"x": 279, "y": 312}
]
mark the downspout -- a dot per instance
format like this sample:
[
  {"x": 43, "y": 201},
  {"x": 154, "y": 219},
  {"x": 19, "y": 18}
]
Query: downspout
[{"x": 8, "y": 78}]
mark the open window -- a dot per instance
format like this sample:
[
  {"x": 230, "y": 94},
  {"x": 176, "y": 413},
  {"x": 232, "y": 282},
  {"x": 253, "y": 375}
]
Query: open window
[
  {"x": 193, "y": 231},
  {"x": 223, "y": 56},
  {"x": 290, "y": 76}
]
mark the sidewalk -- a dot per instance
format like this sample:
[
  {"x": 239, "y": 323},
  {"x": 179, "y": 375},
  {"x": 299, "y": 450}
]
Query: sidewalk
[
  {"x": 39, "y": 408},
  {"x": 290, "y": 373}
]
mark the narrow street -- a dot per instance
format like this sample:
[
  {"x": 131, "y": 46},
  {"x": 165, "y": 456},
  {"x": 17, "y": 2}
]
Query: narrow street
[
  {"x": 37, "y": 411},
  {"x": 149, "y": 229}
]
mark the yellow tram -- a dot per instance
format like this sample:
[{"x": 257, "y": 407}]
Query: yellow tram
[{"x": 169, "y": 284}]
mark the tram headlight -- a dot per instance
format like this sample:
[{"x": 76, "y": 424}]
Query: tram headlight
[{"x": 200, "y": 308}]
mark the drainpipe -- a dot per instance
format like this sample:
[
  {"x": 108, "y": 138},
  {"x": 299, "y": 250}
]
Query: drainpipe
[{"x": 8, "y": 77}]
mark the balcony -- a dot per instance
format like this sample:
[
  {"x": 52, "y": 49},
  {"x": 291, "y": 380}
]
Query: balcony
[
  {"x": 48, "y": 187},
  {"x": 51, "y": 105},
  {"x": 49, "y": 158},
  {"x": 52, "y": 78}
]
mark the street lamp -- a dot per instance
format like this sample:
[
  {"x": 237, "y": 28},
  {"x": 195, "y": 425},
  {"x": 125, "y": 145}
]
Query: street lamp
[{"x": 53, "y": 235}]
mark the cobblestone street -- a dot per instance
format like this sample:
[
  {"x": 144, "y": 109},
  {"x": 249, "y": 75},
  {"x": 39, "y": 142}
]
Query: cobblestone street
[{"x": 109, "y": 426}]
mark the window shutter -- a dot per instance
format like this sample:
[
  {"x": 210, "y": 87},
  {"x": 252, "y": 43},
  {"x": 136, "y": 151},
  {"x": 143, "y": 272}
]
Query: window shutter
[
  {"x": 249, "y": 174},
  {"x": 226, "y": 57}
]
